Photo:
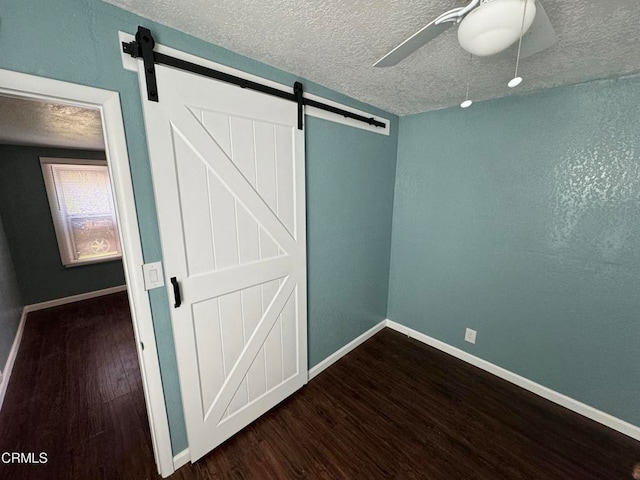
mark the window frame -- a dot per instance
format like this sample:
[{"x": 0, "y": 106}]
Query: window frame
[{"x": 62, "y": 231}]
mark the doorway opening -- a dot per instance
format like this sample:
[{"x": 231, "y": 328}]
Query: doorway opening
[{"x": 78, "y": 123}]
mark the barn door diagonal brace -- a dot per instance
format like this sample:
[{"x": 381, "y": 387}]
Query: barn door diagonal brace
[{"x": 143, "y": 46}]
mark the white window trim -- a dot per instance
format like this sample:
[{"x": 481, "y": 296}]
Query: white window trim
[
  {"x": 41, "y": 88},
  {"x": 67, "y": 256}
]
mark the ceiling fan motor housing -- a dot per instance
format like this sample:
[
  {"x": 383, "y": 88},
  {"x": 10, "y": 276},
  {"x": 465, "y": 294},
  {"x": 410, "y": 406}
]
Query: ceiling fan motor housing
[{"x": 495, "y": 25}]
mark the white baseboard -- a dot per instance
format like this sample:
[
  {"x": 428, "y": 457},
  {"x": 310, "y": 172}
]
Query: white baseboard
[
  {"x": 551, "y": 395},
  {"x": 11, "y": 359},
  {"x": 74, "y": 298},
  {"x": 181, "y": 459},
  {"x": 330, "y": 360}
]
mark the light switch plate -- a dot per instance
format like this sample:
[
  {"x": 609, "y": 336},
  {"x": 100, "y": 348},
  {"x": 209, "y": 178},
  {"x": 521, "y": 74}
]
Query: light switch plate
[{"x": 153, "y": 276}]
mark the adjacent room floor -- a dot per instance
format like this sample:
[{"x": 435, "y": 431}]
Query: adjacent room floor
[
  {"x": 393, "y": 408},
  {"x": 76, "y": 394}
]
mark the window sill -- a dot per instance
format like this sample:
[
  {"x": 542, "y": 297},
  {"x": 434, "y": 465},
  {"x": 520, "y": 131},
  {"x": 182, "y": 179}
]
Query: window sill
[{"x": 93, "y": 261}]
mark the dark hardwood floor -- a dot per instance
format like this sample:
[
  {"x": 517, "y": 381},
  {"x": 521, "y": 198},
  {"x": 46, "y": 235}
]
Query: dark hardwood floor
[
  {"x": 76, "y": 394},
  {"x": 393, "y": 408}
]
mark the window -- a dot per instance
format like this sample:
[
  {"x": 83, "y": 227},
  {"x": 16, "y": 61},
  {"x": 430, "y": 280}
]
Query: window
[{"x": 82, "y": 209}]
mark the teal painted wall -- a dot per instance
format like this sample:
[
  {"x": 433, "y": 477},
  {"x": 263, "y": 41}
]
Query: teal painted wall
[
  {"x": 30, "y": 233},
  {"x": 350, "y": 180},
  {"x": 10, "y": 301},
  {"x": 520, "y": 218},
  {"x": 76, "y": 41}
]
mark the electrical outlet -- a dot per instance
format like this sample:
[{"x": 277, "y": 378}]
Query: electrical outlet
[{"x": 470, "y": 335}]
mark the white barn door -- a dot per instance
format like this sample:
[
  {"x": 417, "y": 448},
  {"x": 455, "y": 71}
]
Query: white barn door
[{"x": 228, "y": 176}]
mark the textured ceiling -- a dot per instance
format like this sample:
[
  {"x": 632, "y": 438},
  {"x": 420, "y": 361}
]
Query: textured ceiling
[
  {"x": 335, "y": 42},
  {"x": 45, "y": 124}
]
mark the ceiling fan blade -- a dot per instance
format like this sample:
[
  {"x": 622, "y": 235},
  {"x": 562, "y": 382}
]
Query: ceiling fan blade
[
  {"x": 413, "y": 43},
  {"x": 540, "y": 36}
]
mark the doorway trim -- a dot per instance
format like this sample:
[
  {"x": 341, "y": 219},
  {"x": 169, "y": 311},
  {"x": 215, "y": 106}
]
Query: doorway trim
[{"x": 108, "y": 102}]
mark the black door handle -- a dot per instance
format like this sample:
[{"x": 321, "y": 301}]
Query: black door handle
[{"x": 176, "y": 292}]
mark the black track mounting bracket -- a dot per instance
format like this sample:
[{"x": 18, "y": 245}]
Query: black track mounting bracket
[
  {"x": 143, "y": 47},
  {"x": 298, "y": 91}
]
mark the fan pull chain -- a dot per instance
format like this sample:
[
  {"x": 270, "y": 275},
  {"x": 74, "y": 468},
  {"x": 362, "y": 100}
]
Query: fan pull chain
[
  {"x": 467, "y": 103},
  {"x": 516, "y": 80}
]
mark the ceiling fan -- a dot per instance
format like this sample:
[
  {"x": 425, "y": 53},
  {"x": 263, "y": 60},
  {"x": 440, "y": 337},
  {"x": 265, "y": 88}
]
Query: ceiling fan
[{"x": 485, "y": 27}]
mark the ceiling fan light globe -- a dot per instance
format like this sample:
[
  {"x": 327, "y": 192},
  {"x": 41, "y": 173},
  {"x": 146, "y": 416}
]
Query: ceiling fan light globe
[{"x": 494, "y": 26}]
